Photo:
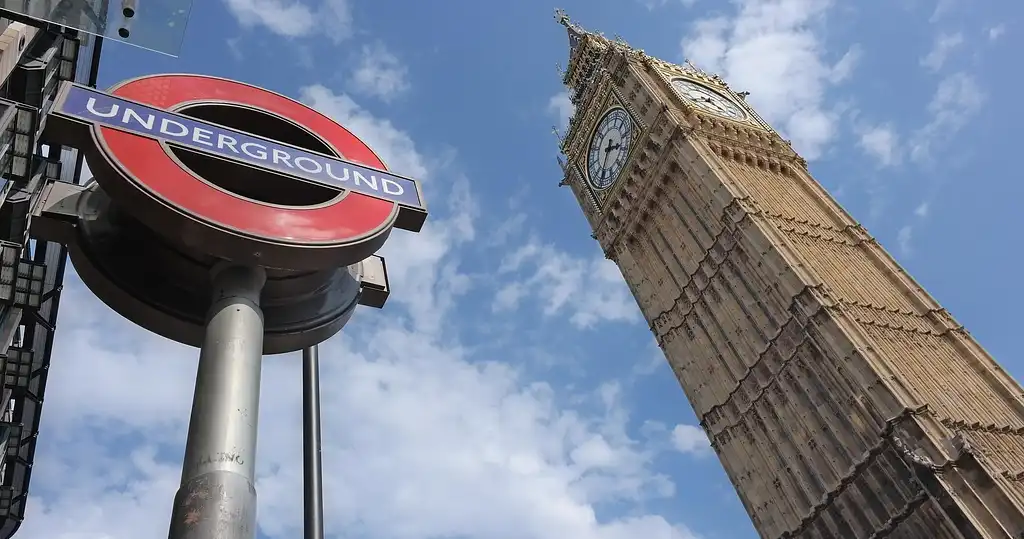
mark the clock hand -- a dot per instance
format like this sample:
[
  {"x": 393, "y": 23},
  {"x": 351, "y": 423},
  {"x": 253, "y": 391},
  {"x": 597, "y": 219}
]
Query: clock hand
[
  {"x": 607, "y": 152},
  {"x": 714, "y": 104}
]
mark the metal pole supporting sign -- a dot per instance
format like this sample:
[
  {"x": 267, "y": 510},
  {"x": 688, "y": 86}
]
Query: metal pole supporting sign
[
  {"x": 312, "y": 467},
  {"x": 219, "y": 473}
]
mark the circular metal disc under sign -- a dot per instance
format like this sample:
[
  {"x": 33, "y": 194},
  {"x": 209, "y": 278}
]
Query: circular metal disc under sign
[
  {"x": 176, "y": 202},
  {"x": 166, "y": 290}
]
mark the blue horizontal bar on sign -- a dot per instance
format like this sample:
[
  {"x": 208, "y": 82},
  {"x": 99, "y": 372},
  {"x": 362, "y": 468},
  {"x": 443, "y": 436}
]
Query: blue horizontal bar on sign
[{"x": 107, "y": 110}]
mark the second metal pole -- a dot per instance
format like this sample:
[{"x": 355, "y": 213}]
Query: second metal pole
[
  {"x": 217, "y": 497},
  {"x": 312, "y": 467}
]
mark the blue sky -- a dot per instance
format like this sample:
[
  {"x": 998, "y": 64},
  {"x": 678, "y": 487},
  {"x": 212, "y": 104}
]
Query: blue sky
[{"x": 510, "y": 389}]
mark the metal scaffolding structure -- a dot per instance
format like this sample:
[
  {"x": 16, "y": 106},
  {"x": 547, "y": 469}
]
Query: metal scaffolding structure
[{"x": 34, "y": 58}]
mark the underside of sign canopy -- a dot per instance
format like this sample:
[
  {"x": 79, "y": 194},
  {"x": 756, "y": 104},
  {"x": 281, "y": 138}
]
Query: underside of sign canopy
[
  {"x": 157, "y": 25},
  {"x": 164, "y": 286}
]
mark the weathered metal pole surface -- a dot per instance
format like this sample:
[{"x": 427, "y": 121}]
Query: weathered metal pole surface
[
  {"x": 312, "y": 467},
  {"x": 217, "y": 497}
]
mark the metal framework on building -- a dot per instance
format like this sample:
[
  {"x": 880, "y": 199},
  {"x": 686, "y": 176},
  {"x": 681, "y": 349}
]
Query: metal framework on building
[{"x": 31, "y": 273}]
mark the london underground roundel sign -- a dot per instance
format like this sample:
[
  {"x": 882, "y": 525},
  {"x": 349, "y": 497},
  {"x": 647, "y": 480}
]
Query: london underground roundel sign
[{"x": 141, "y": 140}]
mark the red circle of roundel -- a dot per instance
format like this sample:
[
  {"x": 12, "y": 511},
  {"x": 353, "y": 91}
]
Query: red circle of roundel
[{"x": 151, "y": 167}]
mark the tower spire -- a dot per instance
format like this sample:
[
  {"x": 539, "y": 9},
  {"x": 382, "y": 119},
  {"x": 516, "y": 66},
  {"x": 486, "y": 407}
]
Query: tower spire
[{"x": 575, "y": 31}]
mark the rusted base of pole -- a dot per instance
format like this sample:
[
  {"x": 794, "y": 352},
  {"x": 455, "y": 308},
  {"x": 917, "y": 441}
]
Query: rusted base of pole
[{"x": 215, "y": 505}]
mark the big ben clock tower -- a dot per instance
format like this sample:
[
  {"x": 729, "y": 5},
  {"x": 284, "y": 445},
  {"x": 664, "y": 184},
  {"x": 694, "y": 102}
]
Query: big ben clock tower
[{"x": 842, "y": 400}]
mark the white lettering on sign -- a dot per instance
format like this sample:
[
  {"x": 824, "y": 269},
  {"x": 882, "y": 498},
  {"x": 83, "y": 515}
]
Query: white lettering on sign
[{"x": 193, "y": 133}]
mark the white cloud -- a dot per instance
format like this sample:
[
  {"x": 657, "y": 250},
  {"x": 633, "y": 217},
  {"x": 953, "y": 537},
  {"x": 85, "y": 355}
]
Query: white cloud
[
  {"x": 905, "y": 236},
  {"x": 943, "y": 8},
  {"x": 282, "y": 17},
  {"x": 652, "y": 4},
  {"x": 654, "y": 362},
  {"x": 903, "y": 239},
  {"x": 690, "y": 439},
  {"x": 882, "y": 143},
  {"x": 957, "y": 100},
  {"x": 561, "y": 107},
  {"x": 588, "y": 291},
  {"x": 423, "y": 436},
  {"x": 393, "y": 145},
  {"x": 380, "y": 73},
  {"x": 655, "y": 4},
  {"x": 944, "y": 45},
  {"x": 842, "y": 69},
  {"x": 235, "y": 48},
  {"x": 996, "y": 32},
  {"x": 295, "y": 18},
  {"x": 771, "y": 49}
]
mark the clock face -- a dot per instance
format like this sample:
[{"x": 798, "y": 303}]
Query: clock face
[
  {"x": 609, "y": 148},
  {"x": 708, "y": 99}
]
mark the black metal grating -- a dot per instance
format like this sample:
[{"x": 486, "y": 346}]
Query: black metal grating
[
  {"x": 22, "y": 133},
  {"x": 17, "y": 369},
  {"x": 31, "y": 290},
  {"x": 6, "y": 499},
  {"x": 17, "y": 139},
  {"x": 21, "y": 281},
  {"x": 10, "y": 438}
]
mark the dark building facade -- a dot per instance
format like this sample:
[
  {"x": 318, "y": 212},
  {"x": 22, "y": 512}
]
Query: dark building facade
[
  {"x": 842, "y": 400},
  {"x": 34, "y": 58}
]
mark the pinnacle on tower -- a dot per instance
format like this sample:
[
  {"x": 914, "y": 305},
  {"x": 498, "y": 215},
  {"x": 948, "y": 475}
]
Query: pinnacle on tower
[{"x": 575, "y": 32}]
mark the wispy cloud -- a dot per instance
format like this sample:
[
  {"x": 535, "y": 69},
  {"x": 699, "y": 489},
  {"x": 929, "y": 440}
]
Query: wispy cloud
[
  {"x": 957, "y": 99},
  {"x": 880, "y": 142},
  {"x": 561, "y": 106},
  {"x": 905, "y": 236},
  {"x": 771, "y": 48},
  {"x": 587, "y": 290},
  {"x": 690, "y": 439},
  {"x": 943, "y": 8},
  {"x": 944, "y": 45},
  {"x": 903, "y": 239},
  {"x": 379, "y": 73},
  {"x": 655, "y": 4},
  {"x": 294, "y": 18}
]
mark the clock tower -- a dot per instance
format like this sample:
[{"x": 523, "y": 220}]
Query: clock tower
[{"x": 842, "y": 400}]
